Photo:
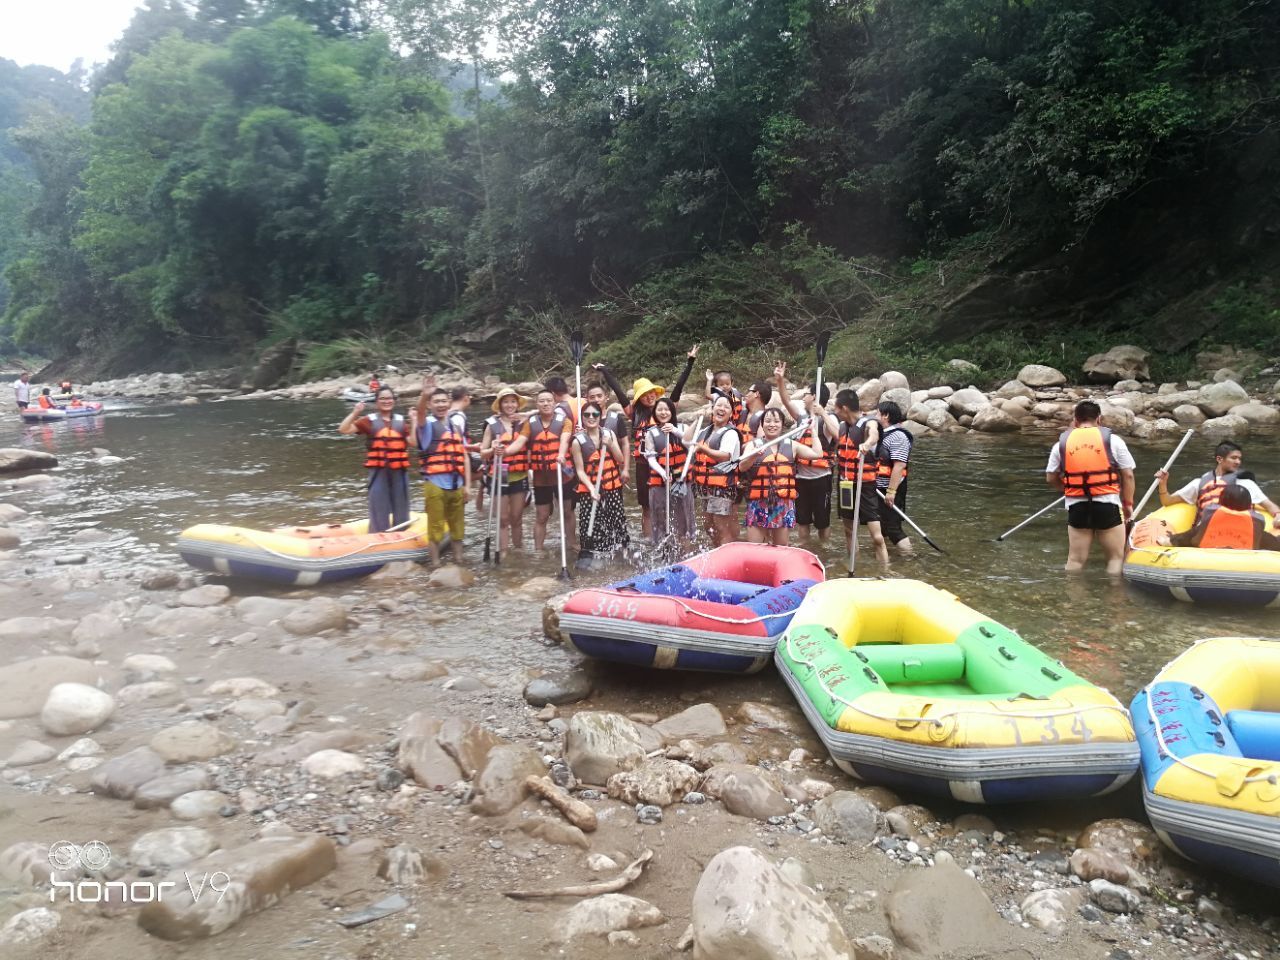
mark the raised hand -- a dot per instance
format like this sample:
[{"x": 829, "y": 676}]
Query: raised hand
[
  {"x": 693, "y": 351},
  {"x": 780, "y": 371},
  {"x": 358, "y": 409}
]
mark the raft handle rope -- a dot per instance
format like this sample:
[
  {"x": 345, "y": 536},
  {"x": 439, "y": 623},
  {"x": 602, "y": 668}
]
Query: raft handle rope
[
  {"x": 942, "y": 718},
  {"x": 251, "y": 536},
  {"x": 1165, "y": 749},
  {"x": 680, "y": 601}
]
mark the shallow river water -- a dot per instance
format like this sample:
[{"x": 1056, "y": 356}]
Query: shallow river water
[{"x": 265, "y": 463}]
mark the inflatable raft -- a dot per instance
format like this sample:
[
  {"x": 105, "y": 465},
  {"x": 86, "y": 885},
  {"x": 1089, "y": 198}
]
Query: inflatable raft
[
  {"x": 1197, "y": 574},
  {"x": 722, "y": 610},
  {"x": 1209, "y": 728},
  {"x": 38, "y": 414},
  {"x": 357, "y": 395},
  {"x": 910, "y": 688},
  {"x": 301, "y": 556}
]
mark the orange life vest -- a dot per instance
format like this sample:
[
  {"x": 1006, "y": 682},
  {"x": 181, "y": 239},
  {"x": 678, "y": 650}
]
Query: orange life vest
[
  {"x": 774, "y": 474},
  {"x": 704, "y": 473},
  {"x": 824, "y": 461},
  {"x": 1210, "y": 490},
  {"x": 1088, "y": 467},
  {"x": 374, "y": 385},
  {"x": 570, "y": 408},
  {"x": 610, "y": 479},
  {"x": 388, "y": 444},
  {"x": 45, "y": 402},
  {"x": 447, "y": 452},
  {"x": 851, "y": 437},
  {"x": 499, "y": 432},
  {"x": 884, "y": 462},
  {"x": 544, "y": 440},
  {"x": 749, "y": 426},
  {"x": 66, "y": 386},
  {"x": 657, "y": 441},
  {"x": 1223, "y": 527}
]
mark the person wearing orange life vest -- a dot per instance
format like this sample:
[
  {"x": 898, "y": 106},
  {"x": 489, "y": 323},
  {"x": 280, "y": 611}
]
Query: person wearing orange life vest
[
  {"x": 639, "y": 409},
  {"x": 716, "y": 443},
  {"x": 387, "y": 459},
  {"x": 66, "y": 388},
  {"x": 45, "y": 401},
  {"x": 665, "y": 449},
  {"x": 1094, "y": 470},
  {"x": 720, "y": 383},
  {"x": 596, "y": 457},
  {"x": 374, "y": 385},
  {"x": 502, "y": 438},
  {"x": 446, "y": 471},
  {"x": 769, "y": 476},
  {"x": 1202, "y": 492},
  {"x": 1229, "y": 524},
  {"x": 813, "y": 475},
  {"x": 614, "y": 422},
  {"x": 547, "y": 434},
  {"x": 856, "y": 432}
]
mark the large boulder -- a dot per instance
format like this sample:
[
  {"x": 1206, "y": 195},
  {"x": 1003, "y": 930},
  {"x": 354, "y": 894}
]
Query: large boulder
[
  {"x": 1015, "y": 388},
  {"x": 1216, "y": 399},
  {"x": 1188, "y": 415},
  {"x": 967, "y": 401},
  {"x": 1119, "y": 419},
  {"x": 992, "y": 419},
  {"x": 942, "y": 911},
  {"x": 1039, "y": 375},
  {"x": 1125, "y": 362},
  {"x": 745, "y": 908},
  {"x": 16, "y": 459},
  {"x": 1258, "y": 414},
  {"x": 899, "y": 395},
  {"x": 893, "y": 380},
  {"x": 25, "y": 685},
  {"x": 597, "y": 745},
  {"x": 1230, "y": 427},
  {"x": 869, "y": 393}
]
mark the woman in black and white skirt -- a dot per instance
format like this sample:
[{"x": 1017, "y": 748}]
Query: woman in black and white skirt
[{"x": 596, "y": 456}]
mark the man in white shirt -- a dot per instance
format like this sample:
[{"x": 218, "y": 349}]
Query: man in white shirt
[
  {"x": 1094, "y": 470},
  {"x": 22, "y": 390},
  {"x": 1200, "y": 493}
]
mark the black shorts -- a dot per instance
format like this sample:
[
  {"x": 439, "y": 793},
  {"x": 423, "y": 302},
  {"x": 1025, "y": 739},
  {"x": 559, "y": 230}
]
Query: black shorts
[
  {"x": 813, "y": 502},
  {"x": 1089, "y": 515},
  {"x": 890, "y": 521},
  {"x": 546, "y": 496},
  {"x": 519, "y": 486},
  {"x": 23, "y": 404},
  {"x": 869, "y": 510},
  {"x": 642, "y": 482}
]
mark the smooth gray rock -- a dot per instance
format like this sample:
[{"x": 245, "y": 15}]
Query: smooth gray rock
[
  {"x": 599, "y": 744},
  {"x": 846, "y": 817},
  {"x": 559, "y": 688},
  {"x": 17, "y": 459}
]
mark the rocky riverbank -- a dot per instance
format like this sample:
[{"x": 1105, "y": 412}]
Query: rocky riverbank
[{"x": 359, "y": 786}]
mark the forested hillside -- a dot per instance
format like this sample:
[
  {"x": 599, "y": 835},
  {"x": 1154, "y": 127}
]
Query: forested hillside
[{"x": 930, "y": 176}]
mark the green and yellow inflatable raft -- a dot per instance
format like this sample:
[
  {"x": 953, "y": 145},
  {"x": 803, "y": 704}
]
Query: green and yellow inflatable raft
[{"x": 910, "y": 688}]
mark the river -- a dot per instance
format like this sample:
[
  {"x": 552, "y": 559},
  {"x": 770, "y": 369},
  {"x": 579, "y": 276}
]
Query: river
[{"x": 267, "y": 463}]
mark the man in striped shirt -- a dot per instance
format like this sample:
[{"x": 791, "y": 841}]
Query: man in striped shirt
[{"x": 893, "y": 455}]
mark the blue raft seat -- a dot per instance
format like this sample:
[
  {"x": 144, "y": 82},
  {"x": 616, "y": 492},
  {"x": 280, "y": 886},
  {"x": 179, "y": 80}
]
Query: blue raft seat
[{"x": 1257, "y": 733}]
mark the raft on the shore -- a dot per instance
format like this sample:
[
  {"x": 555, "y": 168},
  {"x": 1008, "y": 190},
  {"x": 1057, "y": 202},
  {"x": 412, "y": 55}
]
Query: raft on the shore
[
  {"x": 301, "y": 556},
  {"x": 722, "y": 610},
  {"x": 1209, "y": 729},
  {"x": 357, "y": 395},
  {"x": 38, "y": 414},
  {"x": 1199, "y": 574},
  {"x": 910, "y": 688}
]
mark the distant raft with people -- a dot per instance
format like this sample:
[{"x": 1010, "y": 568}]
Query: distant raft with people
[
  {"x": 38, "y": 414},
  {"x": 722, "y": 610},
  {"x": 301, "y": 556},
  {"x": 1209, "y": 729},
  {"x": 909, "y": 688},
  {"x": 1198, "y": 574}
]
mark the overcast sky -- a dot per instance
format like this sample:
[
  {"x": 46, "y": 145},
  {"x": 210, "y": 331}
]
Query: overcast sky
[{"x": 55, "y": 32}]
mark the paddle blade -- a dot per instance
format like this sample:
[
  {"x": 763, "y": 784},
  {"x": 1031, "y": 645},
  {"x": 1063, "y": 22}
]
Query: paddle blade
[
  {"x": 821, "y": 346},
  {"x": 575, "y": 345}
]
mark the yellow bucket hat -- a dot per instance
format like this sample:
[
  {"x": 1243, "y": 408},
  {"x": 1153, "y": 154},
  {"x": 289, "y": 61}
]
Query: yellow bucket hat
[
  {"x": 505, "y": 392},
  {"x": 645, "y": 385}
]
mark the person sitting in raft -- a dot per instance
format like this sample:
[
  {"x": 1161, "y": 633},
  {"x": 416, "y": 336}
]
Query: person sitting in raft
[
  {"x": 596, "y": 456},
  {"x": 446, "y": 471},
  {"x": 66, "y": 388},
  {"x": 665, "y": 450},
  {"x": 548, "y": 433},
  {"x": 769, "y": 475},
  {"x": 639, "y": 409},
  {"x": 373, "y": 383},
  {"x": 717, "y": 443},
  {"x": 387, "y": 459},
  {"x": 503, "y": 444},
  {"x": 1227, "y": 458},
  {"x": 1230, "y": 524},
  {"x": 46, "y": 401},
  {"x": 1094, "y": 470}
]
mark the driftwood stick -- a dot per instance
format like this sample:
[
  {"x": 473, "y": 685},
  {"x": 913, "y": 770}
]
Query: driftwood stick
[
  {"x": 627, "y": 877},
  {"x": 576, "y": 811}
]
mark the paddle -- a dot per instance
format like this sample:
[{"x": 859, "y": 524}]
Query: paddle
[
  {"x": 1034, "y": 516},
  {"x": 857, "y": 505},
  {"x": 498, "y": 496},
  {"x": 821, "y": 349},
  {"x": 731, "y": 464},
  {"x": 912, "y": 523},
  {"x": 1156, "y": 482},
  {"x": 564, "y": 560},
  {"x": 668, "y": 486},
  {"x": 577, "y": 348},
  {"x": 681, "y": 488},
  {"x": 488, "y": 526}
]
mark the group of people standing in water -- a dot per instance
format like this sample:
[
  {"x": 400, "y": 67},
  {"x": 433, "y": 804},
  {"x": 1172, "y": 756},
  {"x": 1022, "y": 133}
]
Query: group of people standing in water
[{"x": 778, "y": 464}]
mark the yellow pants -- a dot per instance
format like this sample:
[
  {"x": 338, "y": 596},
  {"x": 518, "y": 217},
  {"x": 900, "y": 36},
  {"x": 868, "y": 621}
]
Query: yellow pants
[{"x": 446, "y": 511}]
